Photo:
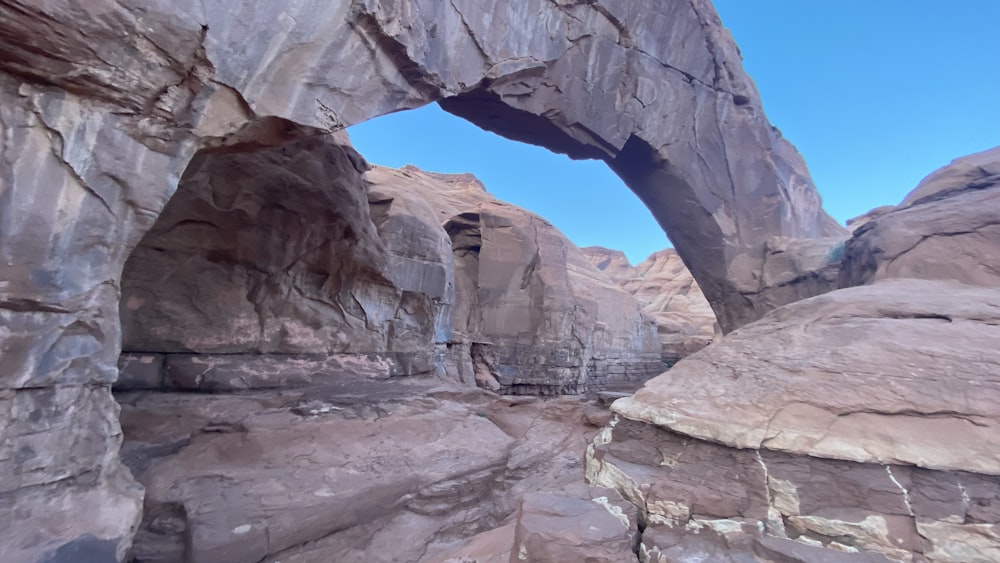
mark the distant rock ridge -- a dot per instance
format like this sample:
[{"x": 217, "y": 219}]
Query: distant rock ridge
[
  {"x": 685, "y": 320},
  {"x": 536, "y": 316}
]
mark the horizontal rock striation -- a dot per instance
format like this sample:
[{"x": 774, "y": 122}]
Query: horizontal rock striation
[{"x": 861, "y": 420}]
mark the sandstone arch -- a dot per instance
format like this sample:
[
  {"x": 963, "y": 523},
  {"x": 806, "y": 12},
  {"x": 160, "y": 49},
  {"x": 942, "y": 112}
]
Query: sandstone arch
[{"x": 104, "y": 103}]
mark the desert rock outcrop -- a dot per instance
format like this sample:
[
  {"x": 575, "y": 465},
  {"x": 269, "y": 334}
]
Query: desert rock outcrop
[
  {"x": 533, "y": 313},
  {"x": 864, "y": 419},
  {"x": 264, "y": 264},
  {"x": 103, "y": 106},
  {"x": 663, "y": 284},
  {"x": 360, "y": 470},
  {"x": 947, "y": 228}
]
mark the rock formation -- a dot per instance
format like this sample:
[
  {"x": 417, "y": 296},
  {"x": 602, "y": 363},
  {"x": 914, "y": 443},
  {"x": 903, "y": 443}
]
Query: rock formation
[
  {"x": 534, "y": 315},
  {"x": 290, "y": 253},
  {"x": 104, "y": 104},
  {"x": 859, "y": 425},
  {"x": 276, "y": 252},
  {"x": 864, "y": 419},
  {"x": 947, "y": 228},
  {"x": 361, "y": 470},
  {"x": 685, "y": 321}
]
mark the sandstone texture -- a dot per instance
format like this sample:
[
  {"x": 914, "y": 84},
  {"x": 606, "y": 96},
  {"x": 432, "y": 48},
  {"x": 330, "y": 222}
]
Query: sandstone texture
[
  {"x": 858, "y": 425},
  {"x": 276, "y": 251},
  {"x": 534, "y": 315},
  {"x": 358, "y": 469},
  {"x": 863, "y": 419},
  {"x": 104, "y": 105},
  {"x": 685, "y": 320},
  {"x": 262, "y": 272},
  {"x": 947, "y": 228}
]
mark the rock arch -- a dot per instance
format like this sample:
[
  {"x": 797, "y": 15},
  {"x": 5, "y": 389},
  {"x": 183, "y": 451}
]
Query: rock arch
[{"x": 103, "y": 104}]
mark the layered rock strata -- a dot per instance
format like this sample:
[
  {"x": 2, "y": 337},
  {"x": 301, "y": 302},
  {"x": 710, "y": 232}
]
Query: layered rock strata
[
  {"x": 863, "y": 420},
  {"x": 534, "y": 315},
  {"x": 684, "y": 319},
  {"x": 361, "y": 470}
]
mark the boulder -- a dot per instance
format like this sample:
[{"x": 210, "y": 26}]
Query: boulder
[
  {"x": 863, "y": 419},
  {"x": 947, "y": 228}
]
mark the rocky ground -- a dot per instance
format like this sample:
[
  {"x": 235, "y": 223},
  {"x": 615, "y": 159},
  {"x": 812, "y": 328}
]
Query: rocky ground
[{"x": 368, "y": 470}]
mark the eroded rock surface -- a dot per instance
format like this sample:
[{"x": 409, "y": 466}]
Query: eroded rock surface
[
  {"x": 289, "y": 253},
  {"x": 685, "y": 321},
  {"x": 534, "y": 314},
  {"x": 104, "y": 104},
  {"x": 947, "y": 228},
  {"x": 362, "y": 470},
  {"x": 275, "y": 251},
  {"x": 863, "y": 419}
]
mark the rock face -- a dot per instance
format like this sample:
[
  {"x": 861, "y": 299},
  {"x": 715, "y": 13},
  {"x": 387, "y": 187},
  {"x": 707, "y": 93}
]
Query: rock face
[
  {"x": 534, "y": 315},
  {"x": 685, "y": 321},
  {"x": 947, "y": 228},
  {"x": 302, "y": 259},
  {"x": 274, "y": 251},
  {"x": 103, "y": 106},
  {"x": 859, "y": 425},
  {"x": 861, "y": 419}
]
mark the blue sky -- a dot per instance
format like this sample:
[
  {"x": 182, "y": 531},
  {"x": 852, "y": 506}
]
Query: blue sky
[{"x": 875, "y": 94}]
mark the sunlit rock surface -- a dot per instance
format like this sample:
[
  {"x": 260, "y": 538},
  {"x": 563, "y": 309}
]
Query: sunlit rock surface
[
  {"x": 947, "y": 228},
  {"x": 685, "y": 321},
  {"x": 533, "y": 312}
]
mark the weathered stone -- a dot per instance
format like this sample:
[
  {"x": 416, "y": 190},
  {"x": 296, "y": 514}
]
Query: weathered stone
[
  {"x": 381, "y": 470},
  {"x": 762, "y": 505},
  {"x": 685, "y": 321},
  {"x": 946, "y": 228},
  {"x": 104, "y": 104},
  {"x": 812, "y": 378},
  {"x": 274, "y": 251},
  {"x": 540, "y": 318}
]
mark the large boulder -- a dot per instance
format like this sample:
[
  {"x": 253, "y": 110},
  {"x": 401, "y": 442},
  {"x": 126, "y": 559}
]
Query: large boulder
[
  {"x": 536, "y": 316},
  {"x": 663, "y": 284},
  {"x": 947, "y": 228},
  {"x": 863, "y": 419}
]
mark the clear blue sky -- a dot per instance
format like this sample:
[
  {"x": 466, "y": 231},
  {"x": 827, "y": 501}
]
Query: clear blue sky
[{"x": 876, "y": 94}]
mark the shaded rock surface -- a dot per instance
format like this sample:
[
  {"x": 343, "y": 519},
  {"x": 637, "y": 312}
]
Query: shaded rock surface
[
  {"x": 685, "y": 321},
  {"x": 289, "y": 252},
  {"x": 536, "y": 316},
  {"x": 947, "y": 228},
  {"x": 364, "y": 470},
  {"x": 863, "y": 419}
]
